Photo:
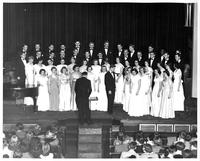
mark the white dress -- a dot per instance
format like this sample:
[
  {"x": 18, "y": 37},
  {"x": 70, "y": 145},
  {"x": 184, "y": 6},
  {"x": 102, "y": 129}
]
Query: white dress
[
  {"x": 166, "y": 110},
  {"x": 156, "y": 101},
  {"x": 65, "y": 93},
  {"x": 134, "y": 99},
  {"x": 178, "y": 96},
  {"x": 43, "y": 94},
  {"x": 92, "y": 78},
  {"x": 29, "y": 82},
  {"x": 119, "y": 83},
  {"x": 102, "y": 96},
  {"x": 37, "y": 69},
  {"x": 127, "y": 93},
  {"x": 143, "y": 100}
]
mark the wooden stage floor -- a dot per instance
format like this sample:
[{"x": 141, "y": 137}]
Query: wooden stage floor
[{"x": 13, "y": 113}]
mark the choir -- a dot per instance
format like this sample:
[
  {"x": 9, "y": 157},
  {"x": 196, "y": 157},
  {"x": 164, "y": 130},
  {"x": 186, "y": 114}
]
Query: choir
[{"x": 146, "y": 83}]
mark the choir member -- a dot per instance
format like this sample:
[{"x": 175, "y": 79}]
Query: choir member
[
  {"x": 60, "y": 57},
  {"x": 100, "y": 59},
  {"x": 88, "y": 58},
  {"x": 71, "y": 65},
  {"x": 43, "y": 94},
  {"x": 136, "y": 65},
  {"x": 61, "y": 65},
  {"x": 132, "y": 55},
  {"x": 162, "y": 56},
  {"x": 156, "y": 94},
  {"x": 107, "y": 53},
  {"x": 140, "y": 58},
  {"x": 143, "y": 100},
  {"x": 30, "y": 78},
  {"x": 65, "y": 90},
  {"x": 83, "y": 67},
  {"x": 179, "y": 60},
  {"x": 92, "y": 51},
  {"x": 38, "y": 55},
  {"x": 53, "y": 87},
  {"x": 153, "y": 60},
  {"x": 119, "y": 52},
  {"x": 150, "y": 51},
  {"x": 78, "y": 47},
  {"x": 91, "y": 77},
  {"x": 166, "y": 110},
  {"x": 102, "y": 97},
  {"x": 127, "y": 89},
  {"x": 119, "y": 81},
  {"x": 166, "y": 59},
  {"x": 110, "y": 87},
  {"x": 62, "y": 47},
  {"x": 74, "y": 76},
  {"x": 106, "y": 64},
  {"x": 178, "y": 94},
  {"x": 168, "y": 68},
  {"x": 133, "y": 109},
  {"x": 125, "y": 57},
  {"x": 37, "y": 68},
  {"x": 49, "y": 66}
]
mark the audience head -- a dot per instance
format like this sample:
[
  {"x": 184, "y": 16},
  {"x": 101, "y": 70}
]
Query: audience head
[
  {"x": 180, "y": 146},
  {"x": 132, "y": 145},
  {"x": 147, "y": 148},
  {"x": 19, "y": 126},
  {"x": 182, "y": 134},
  {"x": 35, "y": 147},
  {"x": 45, "y": 149},
  {"x": 172, "y": 149},
  {"x": 187, "y": 153}
]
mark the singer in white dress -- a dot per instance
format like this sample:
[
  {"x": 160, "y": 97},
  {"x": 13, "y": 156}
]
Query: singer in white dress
[
  {"x": 37, "y": 68},
  {"x": 102, "y": 96},
  {"x": 30, "y": 79},
  {"x": 43, "y": 94},
  {"x": 65, "y": 90},
  {"x": 178, "y": 94},
  {"x": 119, "y": 81},
  {"x": 166, "y": 110},
  {"x": 156, "y": 94},
  {"x": 134, "y": 109},
  {"x": 127, "y": 89},
  {"x": 61, "y": 65}
]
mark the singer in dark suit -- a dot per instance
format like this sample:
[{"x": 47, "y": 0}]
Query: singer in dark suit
[
  {"x": 20, "y": 69},
  {"x": 110, "y": 87},
  {"x": 83, "y": 90}
]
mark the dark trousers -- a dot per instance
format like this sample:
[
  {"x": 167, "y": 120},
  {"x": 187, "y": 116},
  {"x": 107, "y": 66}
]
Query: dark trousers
[
  {"x": 111, "y": 98},
  {"x": 84, "y": 112}
]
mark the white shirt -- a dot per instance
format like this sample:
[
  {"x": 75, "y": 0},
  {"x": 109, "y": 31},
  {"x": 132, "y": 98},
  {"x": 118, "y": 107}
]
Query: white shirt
[
  {"x": 128, "y": 154},
  {"x": 91, "y": 52},
  {"x": 132, "y": 53},
  {"x": 106, "y": 51}
]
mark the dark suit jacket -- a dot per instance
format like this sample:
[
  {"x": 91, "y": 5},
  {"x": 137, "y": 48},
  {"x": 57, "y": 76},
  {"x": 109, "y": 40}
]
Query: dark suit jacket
[
  {"x": 94, "y": 54},
  {"x": 109, "y": 82},
  {"x": 132, "y": 58},
  {"x": 20, "y": 70},
  {"x": 154, "y": 64},
  {"x": 141, "y": 61},
  {"x": 102, "y": 62},
  {"x": 120, "y": 56},
  {"x": 83, "y": 88},
  {"x": 109, "y": 55}
]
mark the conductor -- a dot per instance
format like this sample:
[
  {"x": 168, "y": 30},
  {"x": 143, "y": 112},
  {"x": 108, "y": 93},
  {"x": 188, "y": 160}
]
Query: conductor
[{"x": 83, "y": 90}]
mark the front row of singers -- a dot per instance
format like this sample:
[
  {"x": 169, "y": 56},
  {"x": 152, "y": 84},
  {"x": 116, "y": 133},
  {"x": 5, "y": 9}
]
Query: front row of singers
[{"x": 141, "y": 91}]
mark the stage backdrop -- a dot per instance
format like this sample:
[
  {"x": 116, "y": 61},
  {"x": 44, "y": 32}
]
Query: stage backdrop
[{"x": 161, "y": 25}]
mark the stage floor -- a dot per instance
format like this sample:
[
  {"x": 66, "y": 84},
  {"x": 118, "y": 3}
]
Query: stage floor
[{"x": 13, "y": 113}]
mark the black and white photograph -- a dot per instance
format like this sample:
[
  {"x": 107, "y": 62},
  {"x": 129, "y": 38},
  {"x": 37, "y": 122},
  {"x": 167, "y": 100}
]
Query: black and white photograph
[{"x": 100, "y": 79}]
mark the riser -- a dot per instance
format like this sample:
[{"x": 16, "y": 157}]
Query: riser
[
  {"x": 90, "y": 139},
  {"x": 90, "y": 155},
  {"x": 86, "y": 131},
  {"x": 90, "y": 147}
]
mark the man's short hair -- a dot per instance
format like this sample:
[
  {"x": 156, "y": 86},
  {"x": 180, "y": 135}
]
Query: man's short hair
[{"x": 84, "y": 74}]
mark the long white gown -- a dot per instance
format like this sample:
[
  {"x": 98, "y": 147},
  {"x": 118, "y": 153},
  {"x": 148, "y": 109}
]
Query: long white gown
[
  {"x": 92, "y": 78},
  {"x": 166, "y": 110},
  {"x": 143, "y": 100},
  {"x": 133, "y": 108},
  {"x": 65, "y": 93},
  {"x": 127, "y": 92},
  {"x": 37, "y": 69},
  {"x": 43, "y": 94},
  {"x": 178, "y": 96},
  {"x": 29, "y": 82},
  {"x": 119, "y": 83},
  {"x": 102, "y": 104},
  {"x": 156, "y": 101}
]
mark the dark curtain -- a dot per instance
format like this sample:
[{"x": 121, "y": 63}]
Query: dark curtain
[{"x": 161, "y": 25}]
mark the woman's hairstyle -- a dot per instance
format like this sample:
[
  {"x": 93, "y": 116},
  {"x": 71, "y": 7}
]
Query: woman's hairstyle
[
  {"x": 53, "y": 68},
  {"x": 147, "y": 148},
  {"x": 75, "y": 66},
  {"x": 135, "y": 70},
  {"x": 89, "y": 67},
  {"x": 63, "y": 69},
  {"x": 19, "y": 126},
  {"x": 42, "y": 70}
]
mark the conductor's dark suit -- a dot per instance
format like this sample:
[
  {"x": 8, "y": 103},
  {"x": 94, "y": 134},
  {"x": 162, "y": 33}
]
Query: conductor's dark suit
[
  {"x": 110, "y": 86},
  {"x": 20, "y": 72},
  {"x": 83, "y": 90}
]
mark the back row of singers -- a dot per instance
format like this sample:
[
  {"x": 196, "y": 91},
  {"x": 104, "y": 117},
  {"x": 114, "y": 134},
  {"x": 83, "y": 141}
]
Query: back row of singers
[{"x": 106, "y": 53}]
